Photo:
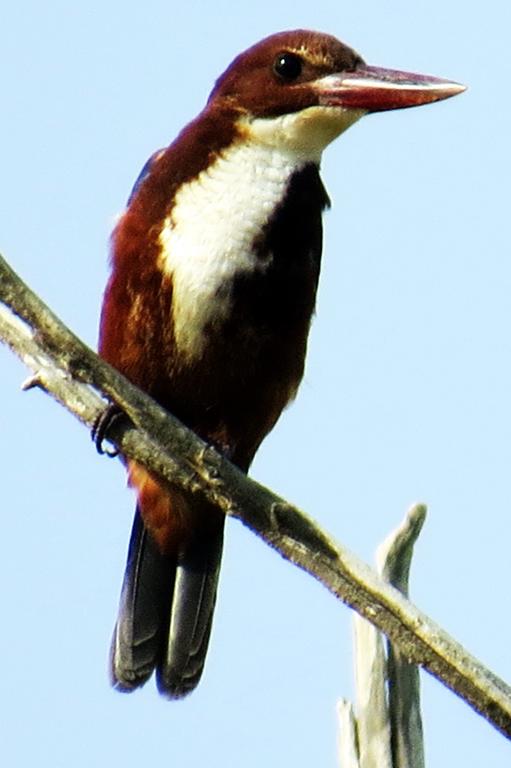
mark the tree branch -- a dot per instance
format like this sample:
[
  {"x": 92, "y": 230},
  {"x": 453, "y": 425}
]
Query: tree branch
[
  {"x": 384, "y": 727},
  {"x": 73, "y": 374}
]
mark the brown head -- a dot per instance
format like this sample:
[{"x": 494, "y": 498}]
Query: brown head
[{"x": 291, "y": 71}]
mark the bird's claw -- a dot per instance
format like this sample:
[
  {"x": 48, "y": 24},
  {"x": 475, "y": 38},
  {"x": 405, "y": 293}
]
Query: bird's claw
[{"x": 101, "y": 427}]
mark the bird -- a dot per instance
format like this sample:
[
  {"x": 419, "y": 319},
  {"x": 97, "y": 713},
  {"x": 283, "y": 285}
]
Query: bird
[{"x": 215, "y": 264}]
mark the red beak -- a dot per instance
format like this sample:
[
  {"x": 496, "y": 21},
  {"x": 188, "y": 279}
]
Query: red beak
[{"x": 374, "y": 89}]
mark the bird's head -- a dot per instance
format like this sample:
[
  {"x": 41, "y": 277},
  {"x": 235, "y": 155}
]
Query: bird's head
[{"x": 302, "y": 89}]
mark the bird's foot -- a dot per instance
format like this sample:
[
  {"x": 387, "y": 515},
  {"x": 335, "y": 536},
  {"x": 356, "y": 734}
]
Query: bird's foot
[{"x": 102, "y": 425}]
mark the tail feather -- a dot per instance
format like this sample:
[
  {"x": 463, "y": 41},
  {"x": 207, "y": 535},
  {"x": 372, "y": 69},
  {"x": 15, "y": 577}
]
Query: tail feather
[
  {"x": 166, "y": 611},
  {"x": 191, "y": 617},
  {"x": 146, "y": 594}
]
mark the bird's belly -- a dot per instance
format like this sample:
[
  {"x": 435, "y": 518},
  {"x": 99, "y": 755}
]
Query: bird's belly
[{"x": 251, "y": 364}]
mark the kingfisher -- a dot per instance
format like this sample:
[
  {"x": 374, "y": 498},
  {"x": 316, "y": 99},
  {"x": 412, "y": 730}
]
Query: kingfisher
[{"x": 214, "y": 271}]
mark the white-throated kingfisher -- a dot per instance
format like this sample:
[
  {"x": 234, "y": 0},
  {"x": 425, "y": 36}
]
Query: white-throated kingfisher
[{"x": 215, "y": 266}]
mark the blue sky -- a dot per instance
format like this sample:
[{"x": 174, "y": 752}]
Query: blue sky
[{"x": 406, "y": 395}]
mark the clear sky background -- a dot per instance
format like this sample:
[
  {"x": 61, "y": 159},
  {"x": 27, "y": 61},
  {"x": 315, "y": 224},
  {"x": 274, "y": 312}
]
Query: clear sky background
[{"x": 406, "y": 395}]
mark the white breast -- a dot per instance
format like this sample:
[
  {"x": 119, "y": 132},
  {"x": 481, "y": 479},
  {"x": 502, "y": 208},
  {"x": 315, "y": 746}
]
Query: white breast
[{"x": 208, "y": 237}]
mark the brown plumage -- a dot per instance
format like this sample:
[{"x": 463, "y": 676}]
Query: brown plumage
[{"x": 215, "y": 264}]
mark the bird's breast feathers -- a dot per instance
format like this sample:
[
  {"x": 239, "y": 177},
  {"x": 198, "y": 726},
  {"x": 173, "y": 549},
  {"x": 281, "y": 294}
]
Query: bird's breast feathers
[{"x": 213, "y": 230}]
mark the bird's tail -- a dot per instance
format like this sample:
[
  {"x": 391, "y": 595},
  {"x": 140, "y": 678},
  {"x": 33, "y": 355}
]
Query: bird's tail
[{"x": 166, "y": 608}]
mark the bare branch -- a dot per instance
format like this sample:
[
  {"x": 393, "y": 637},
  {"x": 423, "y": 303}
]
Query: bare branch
[
  {"x": 348, "y": 741},
  {"x": 372, "y": 714},
  {"x": 386, "y": 718},
  {"x": 70, "y": 372},
  {"x": 393, "y": 561}
]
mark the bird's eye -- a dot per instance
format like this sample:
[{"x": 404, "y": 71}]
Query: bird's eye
[{"x": 288, "y": 66}]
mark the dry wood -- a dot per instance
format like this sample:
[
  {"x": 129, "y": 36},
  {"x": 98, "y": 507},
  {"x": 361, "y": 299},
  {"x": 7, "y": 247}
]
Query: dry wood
[{"x": 71, "y": 372}]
